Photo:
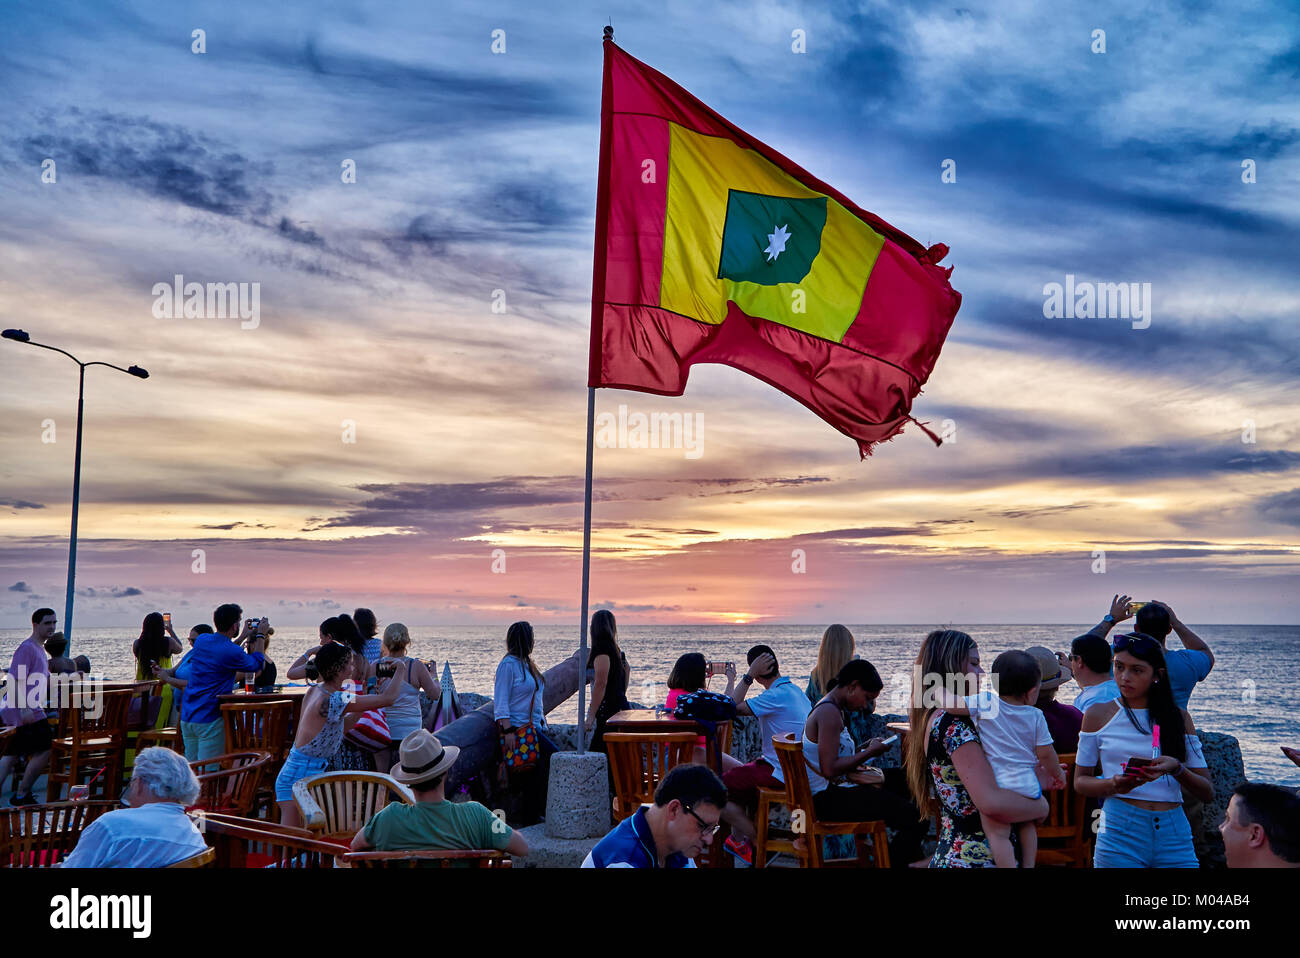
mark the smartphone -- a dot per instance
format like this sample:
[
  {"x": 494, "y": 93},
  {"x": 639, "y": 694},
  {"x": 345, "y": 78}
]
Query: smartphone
[
  {"x": 891, "y": 740},
  {"x": 167, "y": 618},
  {"x": 720, "y": 668},
  {"x": 1134, "y": 605},
  {"x": 1133, "y": 763}
]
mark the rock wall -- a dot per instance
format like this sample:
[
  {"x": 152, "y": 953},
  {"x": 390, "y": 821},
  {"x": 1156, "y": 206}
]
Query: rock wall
[{"x": 1227, "y": 771}]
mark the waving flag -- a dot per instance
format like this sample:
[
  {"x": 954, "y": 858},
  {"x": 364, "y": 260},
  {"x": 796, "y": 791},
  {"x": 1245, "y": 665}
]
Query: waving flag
[{"x": 711, "y": 247}]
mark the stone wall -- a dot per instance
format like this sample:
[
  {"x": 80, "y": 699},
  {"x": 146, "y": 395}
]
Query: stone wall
[{"x": 1223, "y": 758}]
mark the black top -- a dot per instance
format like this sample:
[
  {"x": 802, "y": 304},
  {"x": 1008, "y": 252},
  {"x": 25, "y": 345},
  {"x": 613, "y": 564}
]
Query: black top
[
  {"x": 615, "y": 700},
  {"x": 265, "y": 679}
]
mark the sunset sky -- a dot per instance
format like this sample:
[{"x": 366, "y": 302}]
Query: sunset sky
[{"x": 476, "y": 171}]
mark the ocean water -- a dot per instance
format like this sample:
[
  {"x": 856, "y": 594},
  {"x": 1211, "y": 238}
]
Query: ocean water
[{"x": 1250, "y": 694}]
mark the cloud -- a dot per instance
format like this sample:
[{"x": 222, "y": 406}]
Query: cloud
[
  {"x": 161, "y": 159},
  {"x": 21, "y": 587},
  {"x": 1282, "y": 507},
  {"x": 20, "y": 504}
]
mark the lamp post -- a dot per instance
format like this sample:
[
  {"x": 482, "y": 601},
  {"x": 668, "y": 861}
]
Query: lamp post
[{"x": 17, "y": 335}]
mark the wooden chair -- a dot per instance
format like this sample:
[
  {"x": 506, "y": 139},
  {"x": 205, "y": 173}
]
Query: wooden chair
[
  {"x": 472, "y": 858},
  {"x": 262, "y": 726},
  {"x": 253, "y": 843},
  {"x": 202, "y": 860},
  {"x": 1065, "y": 838},
  {"x": 39, "y": 836},
  {"x": 638, "y": 762},
  {"x": 228, "y": 783},
  {"x": 870, "y": 837},
  {"x": 336, "y": 805},
  {"x": 769, "y": 840},
  {"x": 96, "y": 738}
]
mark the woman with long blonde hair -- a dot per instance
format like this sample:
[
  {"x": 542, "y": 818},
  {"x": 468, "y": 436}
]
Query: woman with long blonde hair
[
  {"x": 838, "y": 650},
  {"x": 947, "y": 770}
]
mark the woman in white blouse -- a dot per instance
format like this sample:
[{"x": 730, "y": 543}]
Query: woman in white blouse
[
  {"x": 517, "y": 697},
  {"x": 1140, "y": 753}
]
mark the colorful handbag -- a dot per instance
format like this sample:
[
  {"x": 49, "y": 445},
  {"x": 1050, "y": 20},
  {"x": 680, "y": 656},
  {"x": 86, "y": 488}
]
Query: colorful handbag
[{"x": 526, "y": 753}]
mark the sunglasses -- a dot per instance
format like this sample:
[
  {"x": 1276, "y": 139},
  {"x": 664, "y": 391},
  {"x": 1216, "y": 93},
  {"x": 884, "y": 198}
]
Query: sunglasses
[
  {"x": 1133, "y": 640},
  {"x": 707, "y": 830}
]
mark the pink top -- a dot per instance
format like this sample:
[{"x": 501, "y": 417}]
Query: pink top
[
  {"x": 671, "y": 702},
  {"x": 29, "y": 660}
]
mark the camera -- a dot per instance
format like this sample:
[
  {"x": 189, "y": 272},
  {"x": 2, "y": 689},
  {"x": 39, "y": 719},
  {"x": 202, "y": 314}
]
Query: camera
[{"x": 385, "y": 670}]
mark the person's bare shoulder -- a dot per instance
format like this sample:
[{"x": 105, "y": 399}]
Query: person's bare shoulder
[{"x": 1098, "y": 715}]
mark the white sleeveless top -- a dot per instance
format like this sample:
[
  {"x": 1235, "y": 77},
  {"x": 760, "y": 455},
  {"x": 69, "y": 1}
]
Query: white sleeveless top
[
  {"x": 1117, "y": 741},
  {"x": 815, "y": 778}
]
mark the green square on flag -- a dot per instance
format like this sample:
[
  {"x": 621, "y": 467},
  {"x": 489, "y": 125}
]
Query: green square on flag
[{"x": 770, "y": 239}]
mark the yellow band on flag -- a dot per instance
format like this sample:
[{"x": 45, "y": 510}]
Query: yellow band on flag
[{"x": 706, "y": 177}]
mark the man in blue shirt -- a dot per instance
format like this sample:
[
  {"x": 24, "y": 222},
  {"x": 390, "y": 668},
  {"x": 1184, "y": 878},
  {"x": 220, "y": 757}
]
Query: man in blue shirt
[
  {"x": 211, "y": 668},
  {"x": 671, "y": 832},
  {"x": 1186, "y": 666}
]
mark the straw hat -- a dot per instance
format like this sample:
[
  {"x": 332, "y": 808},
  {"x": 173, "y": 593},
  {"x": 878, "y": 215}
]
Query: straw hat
[
  {"x": 1053, "y": 672},
  {"x": 423, "y": 757}
]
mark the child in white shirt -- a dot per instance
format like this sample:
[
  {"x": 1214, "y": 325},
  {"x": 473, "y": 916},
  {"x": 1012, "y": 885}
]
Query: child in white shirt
[{"x": 1016, "y": 741}]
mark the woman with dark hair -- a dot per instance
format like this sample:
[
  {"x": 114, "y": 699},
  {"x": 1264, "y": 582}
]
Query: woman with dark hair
[
  {"x": 609, "y": 679},
  {"x": 946, "y": 759},
  {"x": 342, "y": 631},
  {"x": 844, "y": 790},
  {"x": 1142, "y": 811},
  {"x": 156, "y": 646},
  {"x": 691, "y": 672},
  {"x": 320, "y": 727},
  {"x": 517, "y": 703}
]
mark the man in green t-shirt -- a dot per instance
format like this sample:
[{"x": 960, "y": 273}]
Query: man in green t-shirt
[{"x": 433, "y": 823}]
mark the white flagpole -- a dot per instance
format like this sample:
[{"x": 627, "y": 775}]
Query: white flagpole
[{"x": 586, "y": 576}]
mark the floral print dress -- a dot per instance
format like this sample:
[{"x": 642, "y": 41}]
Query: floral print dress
[{"x": 962, "y": 842}]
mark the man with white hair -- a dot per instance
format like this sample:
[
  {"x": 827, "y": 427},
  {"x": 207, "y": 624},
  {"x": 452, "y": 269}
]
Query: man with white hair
[{"x": 154, "y": 831}]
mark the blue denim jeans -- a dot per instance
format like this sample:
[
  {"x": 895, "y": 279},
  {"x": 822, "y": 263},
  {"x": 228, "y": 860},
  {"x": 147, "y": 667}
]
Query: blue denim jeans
[
  {"x": 297, "y": 766},
  {"x": 1133, "y": 837}
]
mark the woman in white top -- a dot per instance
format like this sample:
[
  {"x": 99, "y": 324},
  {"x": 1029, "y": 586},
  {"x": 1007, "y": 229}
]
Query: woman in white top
[
  {"x": 843, "y": 791},
  {"x": 1142, "y": 820},
  {"x": 517, "y": 697}
]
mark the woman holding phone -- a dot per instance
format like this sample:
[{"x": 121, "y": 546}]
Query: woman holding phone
[
  {"x": 843, "y": 790},
  {"x": 1141, "y": 755}
]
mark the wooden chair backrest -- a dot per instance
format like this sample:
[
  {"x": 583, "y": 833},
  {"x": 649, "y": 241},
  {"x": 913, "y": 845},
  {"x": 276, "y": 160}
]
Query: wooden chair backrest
[
  {"x": 99, "y": 714},
  {"x": 638, "y": 762},
  {"x": 202, "y": 860},
  {"x": 336, "y": 805},
  {"x": 251, "y": 842},
  {"x": 228, "y": 783},
  {"x": 1065, "y": 816},
  {"x": 258, "y": 725},
  {"x": 797, "y": 787},
  {"x": 35, "y": 836},
  {"x": 473, "y": 857}
]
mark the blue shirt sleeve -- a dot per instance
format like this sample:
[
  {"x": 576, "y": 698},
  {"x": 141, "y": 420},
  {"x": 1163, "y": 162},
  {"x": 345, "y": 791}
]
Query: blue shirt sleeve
[{"x": 233, "y": 657}]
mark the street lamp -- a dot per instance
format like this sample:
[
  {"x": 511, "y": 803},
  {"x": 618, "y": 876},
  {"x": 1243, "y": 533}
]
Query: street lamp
[{"x": 19, "y": 336}]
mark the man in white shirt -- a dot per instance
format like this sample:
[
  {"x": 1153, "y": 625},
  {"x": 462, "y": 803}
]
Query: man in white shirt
[
  {"x": 781, "y": 708},
  {"x": 1090, "y": 662},
  {"x": 154, "y": 831}
]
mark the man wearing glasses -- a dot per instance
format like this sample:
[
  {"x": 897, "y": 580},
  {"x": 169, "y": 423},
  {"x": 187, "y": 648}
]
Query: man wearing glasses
[{"x": 673, "y": 831}]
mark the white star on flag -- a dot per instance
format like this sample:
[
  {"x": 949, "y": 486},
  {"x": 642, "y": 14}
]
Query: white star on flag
[{"x": 776, "y": 242}]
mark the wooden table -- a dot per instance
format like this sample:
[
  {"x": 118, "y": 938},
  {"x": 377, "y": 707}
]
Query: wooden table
[
  {"x": 292, "y": 693},
  {"x": 650, "y": 720}
]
